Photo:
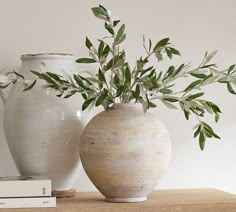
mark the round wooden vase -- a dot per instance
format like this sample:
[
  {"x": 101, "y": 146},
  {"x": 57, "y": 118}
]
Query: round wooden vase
[{"x": 124, "y": 152}]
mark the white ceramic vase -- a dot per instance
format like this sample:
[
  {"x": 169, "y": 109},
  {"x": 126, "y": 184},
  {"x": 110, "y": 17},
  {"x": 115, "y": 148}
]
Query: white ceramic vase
[
  {"x": 124, "y": 152},
  {"x": 42, "y": 130}
]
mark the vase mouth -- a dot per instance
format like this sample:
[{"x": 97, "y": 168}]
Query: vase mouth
[
  {"x": 127, "y": 105},
  {"x": 47, "y": 56}
]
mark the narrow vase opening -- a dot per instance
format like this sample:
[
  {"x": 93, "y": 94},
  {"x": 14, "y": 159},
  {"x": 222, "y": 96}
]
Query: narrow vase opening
[{"x": 47, "y": 56}]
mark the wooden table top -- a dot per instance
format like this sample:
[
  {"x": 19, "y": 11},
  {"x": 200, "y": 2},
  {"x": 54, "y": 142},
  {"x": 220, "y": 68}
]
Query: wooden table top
[{"x": 181, "y": 200}]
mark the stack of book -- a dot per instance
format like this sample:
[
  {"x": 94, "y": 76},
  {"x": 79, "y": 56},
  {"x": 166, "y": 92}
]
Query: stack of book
[{"x": 26, "y": 192}]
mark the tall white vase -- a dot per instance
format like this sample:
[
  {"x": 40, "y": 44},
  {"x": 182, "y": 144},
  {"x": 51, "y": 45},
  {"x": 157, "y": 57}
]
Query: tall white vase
[
  {"x": 42, "y": 130},
  {"x": 124, "y": 152}
]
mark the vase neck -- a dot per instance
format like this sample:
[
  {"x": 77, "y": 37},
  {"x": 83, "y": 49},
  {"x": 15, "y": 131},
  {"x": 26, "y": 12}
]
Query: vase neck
[{"x": 56, "y": 63}]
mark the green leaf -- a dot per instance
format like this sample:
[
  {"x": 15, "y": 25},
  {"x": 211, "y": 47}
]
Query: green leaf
[
  {"x": 197, "y": 131},
  {"x": 230, "y": 88},
  {"x": 151, "y": 104},
  {"x": 69, "y": 95},
  {"x": 87, "y": 103},
  {"x": 169, "y": 54},
  {"x": 106, "y": 51},
  {"x": 100, "y": 49},
  {"x": 104, "y": 9},
  {"x": 208, "y": 57},
  {"x": 201, "y": 76},
  {"x": 120, "y": 90},
  {"x": 169, "y": 99},
  {"x": 202, "y": 140},
  {"x": 101, "y": 98},
  {"x": 80, "y": 82},
  {"x": 120, "y": 60},
  {"x": 207, "y": 77},
  {"x": 59, "y": 95},
  {"x": 165, "y": 91},
  {"x": 186, "y": 114},
  {"x": 214, "y": 107},
  {"x": 121, "y": 39},
  {"x": 30, "y": 86},
  {"x": 84, "y": 96},
  {"x": 194, "y": 96},
  {"x": 117, "y": 61},
  {"x": 150, "y": 45},
  {"x": 174, "y": 51},
  {"x": 54, "y": 76},
  {"x": 161, "y": 43},
  {"x": 116, "y": 80},
  {"x": 179, "y": 69},
  {"x": 193, "y": 85},
  {"x": 159, "y": 76},
  {"x": 36, "y": 73},
  {"x": 101, "y": 76},
  {"x": 88, "y": 43},
  {"x": 137, "y": 92},
  {"x": 208, "y": 66},
  {"x": 170, "y": 70},
  {"x": 154, "y": 83},
  {"x": 231, "y": 69},
  {"x": 120, "y": 33},
  {"x": 153, "y": 72},
  {"x": 19, "y": 75},
  {"x": 109, "y": 28},
  {"x": 127, "y": 75},
  {"x": 99, "y": 12},
  {"x": 169, "y": 73},
  {"x": 217, "y": 117},
  {"x": 47, "y": 78},
  {"x": 115, "y": 23},
  {"x": 86, "y": 79},
  {"x": 110, "y": 63},
  {"x": 211, "y": 132},
  {"x": 146, "y": 70},
  {"x": 207, "y": 126},
  {"x": 86, "y": 60}
]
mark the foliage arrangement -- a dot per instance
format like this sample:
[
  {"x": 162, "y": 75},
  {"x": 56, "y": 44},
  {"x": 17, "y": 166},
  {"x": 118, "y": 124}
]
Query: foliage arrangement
[{"x": 117, "y": 81}]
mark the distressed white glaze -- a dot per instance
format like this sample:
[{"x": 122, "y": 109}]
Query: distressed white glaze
[
  {"x": 124, "y": 152},
  {"x": 43, "y": 131}
]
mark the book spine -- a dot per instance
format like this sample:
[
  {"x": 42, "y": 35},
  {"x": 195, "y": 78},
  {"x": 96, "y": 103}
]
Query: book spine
[
  {"x": 25, "y": 188},
  {"x": 32, "y": 202}
]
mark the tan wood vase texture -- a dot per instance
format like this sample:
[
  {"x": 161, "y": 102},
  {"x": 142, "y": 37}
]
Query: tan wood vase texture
[{"x": 124, "y": 152}]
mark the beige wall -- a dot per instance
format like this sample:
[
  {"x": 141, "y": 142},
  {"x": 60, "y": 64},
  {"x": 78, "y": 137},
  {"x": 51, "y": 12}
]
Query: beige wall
[{"x": 30, "y": 26}]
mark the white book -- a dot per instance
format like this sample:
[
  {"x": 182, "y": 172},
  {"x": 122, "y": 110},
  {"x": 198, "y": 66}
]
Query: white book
[
  {"x": 25, "y": 186},
  {"x": 30, "y": 202}
]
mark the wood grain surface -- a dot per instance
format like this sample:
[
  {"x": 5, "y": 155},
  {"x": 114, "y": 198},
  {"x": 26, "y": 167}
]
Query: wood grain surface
[{"x": 188, "y": 200}]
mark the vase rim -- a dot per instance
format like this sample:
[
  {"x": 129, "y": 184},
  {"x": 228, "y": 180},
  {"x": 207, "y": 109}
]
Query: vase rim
[{"x": 47, "y": 56}]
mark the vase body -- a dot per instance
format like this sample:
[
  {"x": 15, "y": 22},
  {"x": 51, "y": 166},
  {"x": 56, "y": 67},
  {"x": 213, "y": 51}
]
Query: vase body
[
  {"x": 124, "y": 152},
  {"x": 43, "y": 131}
]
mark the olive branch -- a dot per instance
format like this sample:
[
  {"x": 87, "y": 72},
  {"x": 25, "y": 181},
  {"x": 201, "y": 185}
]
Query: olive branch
[{"x": 117, "y": 81}]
